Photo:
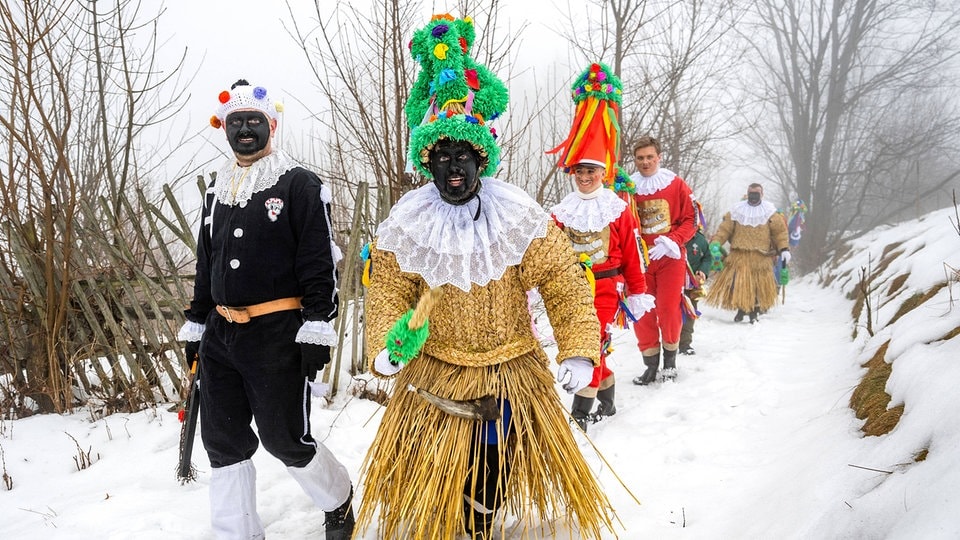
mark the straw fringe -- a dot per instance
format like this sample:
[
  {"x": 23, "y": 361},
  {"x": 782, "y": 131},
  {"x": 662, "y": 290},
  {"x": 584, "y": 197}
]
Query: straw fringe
[
  {"x": 417, "y": 466},
  {"x": 745, "y": 282}
]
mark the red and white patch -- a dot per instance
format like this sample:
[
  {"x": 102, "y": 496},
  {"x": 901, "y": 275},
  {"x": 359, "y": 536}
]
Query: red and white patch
[{"x": 274, "y": 206}]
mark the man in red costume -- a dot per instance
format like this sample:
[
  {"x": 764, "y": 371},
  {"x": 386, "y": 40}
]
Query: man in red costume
[
  {"x": 599, "y": 223},
  {"x": 601, "y": 226},
  {"x": 666, "y": 215}
]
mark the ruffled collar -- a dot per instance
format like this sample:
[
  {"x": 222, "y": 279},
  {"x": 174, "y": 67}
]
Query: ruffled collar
[
  {"x": 752, "y": 216},
  {"x": 236, "y": 185},
  {"x": 589, "y": 215},
  {"x": 648, "y": 185},
  {"x": 443, "y": 244}
]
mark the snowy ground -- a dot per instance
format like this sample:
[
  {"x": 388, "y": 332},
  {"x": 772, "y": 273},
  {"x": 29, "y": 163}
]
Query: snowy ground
[{"x": 754, "y": 440}]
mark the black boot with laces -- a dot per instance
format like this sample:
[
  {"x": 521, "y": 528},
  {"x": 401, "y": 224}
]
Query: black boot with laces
[{"x": 339, "y": 523}]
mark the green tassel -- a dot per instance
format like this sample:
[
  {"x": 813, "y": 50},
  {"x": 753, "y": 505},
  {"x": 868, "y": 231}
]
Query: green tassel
[{"x": 403, "y": 342}]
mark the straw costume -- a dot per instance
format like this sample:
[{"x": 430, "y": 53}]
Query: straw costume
[
  {"x": 429, "y": 473},
  {"x": 757, "y": 234},
  {"x": 601, "y": 226}
]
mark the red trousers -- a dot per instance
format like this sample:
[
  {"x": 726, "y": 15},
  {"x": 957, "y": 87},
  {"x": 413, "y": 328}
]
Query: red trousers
[
  {"x": 662, "y": 324},
  {"x": 606, "y": 300}
]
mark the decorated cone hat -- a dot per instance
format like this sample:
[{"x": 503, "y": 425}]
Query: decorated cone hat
[
  {"x": 595, "y": 134},
  {"x": 453, "y": 97}
]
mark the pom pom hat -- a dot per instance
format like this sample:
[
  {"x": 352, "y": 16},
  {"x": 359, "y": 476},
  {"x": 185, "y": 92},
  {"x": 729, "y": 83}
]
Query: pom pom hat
[
  {"x": 453, "y": 97},
  {"x": 594, "y": 137},
  {"x": 244, "y": 97}
]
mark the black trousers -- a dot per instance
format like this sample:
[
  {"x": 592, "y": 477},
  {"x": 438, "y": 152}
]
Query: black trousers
[{"x": 252, "y": 372}]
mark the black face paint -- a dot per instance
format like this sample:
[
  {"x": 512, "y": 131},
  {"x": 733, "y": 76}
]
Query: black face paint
[
  {"x": 454, "y": 165},
  {"x": 753, "y": 198},
  {"x": 247, "y": 131}
]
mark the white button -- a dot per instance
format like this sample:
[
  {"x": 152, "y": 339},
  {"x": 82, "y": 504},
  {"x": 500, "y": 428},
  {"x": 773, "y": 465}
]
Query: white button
[
  {"x": 234, "y": 263},
  {"x": 238, "y": 232}
]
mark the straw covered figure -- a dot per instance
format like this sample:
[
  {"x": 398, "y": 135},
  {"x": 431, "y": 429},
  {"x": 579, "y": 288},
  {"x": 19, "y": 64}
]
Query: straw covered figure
[
  {"x": 474, "y": 430},
  {"x": 757, "y": 235}
]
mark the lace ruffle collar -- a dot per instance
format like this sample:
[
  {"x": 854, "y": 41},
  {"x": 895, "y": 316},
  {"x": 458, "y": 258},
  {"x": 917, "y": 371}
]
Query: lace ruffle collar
[
  {"x": 443, "y": 244},
  {"x": 589, "y": 215},
  {"x": 752, "y": 216},
  {"x": 236, "y": 185},
  {"x": 648, "y": 185}
]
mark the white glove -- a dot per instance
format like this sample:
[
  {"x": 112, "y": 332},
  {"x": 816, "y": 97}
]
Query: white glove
[
  {"x": 638, "y": 304},
  {"x": 384, "y": 366},
  {"x": 785, "y": 255},
  {"x": 579, "y": 369},
  {"x": 664, "y": 247}
]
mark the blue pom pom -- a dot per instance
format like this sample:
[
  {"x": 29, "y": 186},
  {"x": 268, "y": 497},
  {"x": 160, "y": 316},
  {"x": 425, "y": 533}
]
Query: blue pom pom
[
  {"x": 439, "y": 30},
  {"x": 259, "y": 92}
]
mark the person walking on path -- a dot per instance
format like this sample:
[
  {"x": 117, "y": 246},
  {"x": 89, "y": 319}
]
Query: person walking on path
[
  {"x": 757, "y": 234},
  {"x": 600, "y": 226},
  {"x": 665, "y": 211},
  {"x": 264, "y": 298}
]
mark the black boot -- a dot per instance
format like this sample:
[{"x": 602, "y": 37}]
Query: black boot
[
  {"x": 339, "y": 523},
  {"x": 754, "y": 315},
  {"x": 580, "y": 411},
  {"x": 477, "y": 525},
  {"x": 606, "y": 406},
  {"x": 650, "y": 375},
  {"x": 669, "y": 365},
  {"x": 739, "y": 316}
]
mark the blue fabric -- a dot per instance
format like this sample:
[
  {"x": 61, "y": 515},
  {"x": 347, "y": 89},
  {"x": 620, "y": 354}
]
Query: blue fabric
[{"x": 489, "y": 434}]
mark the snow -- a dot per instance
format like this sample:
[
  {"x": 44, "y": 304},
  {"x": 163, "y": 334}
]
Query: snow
[{"x": 754, "y": 440}]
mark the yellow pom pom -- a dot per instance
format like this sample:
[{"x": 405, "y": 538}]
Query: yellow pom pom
[
  {"x": 440, "y": 51},
  {"x": 278, "y": 106},
  {"x": 468, "y": 19}
]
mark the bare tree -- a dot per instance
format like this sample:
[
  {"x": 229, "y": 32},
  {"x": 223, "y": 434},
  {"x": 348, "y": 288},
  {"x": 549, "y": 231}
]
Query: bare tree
[
  {"x": 80, "y": 86},
  {"x": 674, "y": 61},
  {"x": 852, "y": 102}
]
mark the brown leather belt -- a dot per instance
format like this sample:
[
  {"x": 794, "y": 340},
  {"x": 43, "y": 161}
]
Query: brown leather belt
[
  {"x": 606, "y": 273},
  {"x": 242, "y": 315}
]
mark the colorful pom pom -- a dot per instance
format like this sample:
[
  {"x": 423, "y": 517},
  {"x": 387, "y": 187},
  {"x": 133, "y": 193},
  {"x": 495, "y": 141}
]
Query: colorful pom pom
[
  {"x": 472, "y": 80},
  {"x": 439, "y": 30},
  {"x": 259, "y": 92},
  {"x": 440, "y": 51},
  {"x": 446, "y": 75},
  {"x": 215, "y": 122},
  {"x": 224, "y": 96},
  {"x": 463, "y": 44},
  {"x": 278, "y": 106}
]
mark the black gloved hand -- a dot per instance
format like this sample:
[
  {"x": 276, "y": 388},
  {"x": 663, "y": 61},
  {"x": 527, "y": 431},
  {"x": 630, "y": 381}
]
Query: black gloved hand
[
  {"x": 313, "y": 358},
  {"x": 192, "y": 352}
]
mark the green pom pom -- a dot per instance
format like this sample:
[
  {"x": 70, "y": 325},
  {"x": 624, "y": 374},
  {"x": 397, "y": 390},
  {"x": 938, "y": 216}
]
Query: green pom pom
[{"x": 403, "y": 343}]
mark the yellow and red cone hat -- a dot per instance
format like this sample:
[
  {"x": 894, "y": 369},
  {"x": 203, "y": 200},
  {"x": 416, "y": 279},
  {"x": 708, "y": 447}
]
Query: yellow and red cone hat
[{"x": 595, "y": 134}]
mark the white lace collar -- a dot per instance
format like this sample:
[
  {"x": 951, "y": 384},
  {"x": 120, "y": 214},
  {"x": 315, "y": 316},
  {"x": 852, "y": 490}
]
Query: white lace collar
[
  {"x": 443, "y": 244},
  {"x": 752, "y": 216},
  {"x": 235, "y": 184},
  {"x": 589, "y": 215},
  {"x": 647, "y": 185}
]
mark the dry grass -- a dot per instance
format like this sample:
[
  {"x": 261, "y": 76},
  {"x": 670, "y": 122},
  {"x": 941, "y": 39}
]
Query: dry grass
[
  {"x": 915, "y": 301},
  {"x": 951, "y": 334},
  {"x": 921, "y": 455},
  {"x": 897, "y": 283},
  {"x": 870, "y": 399}
]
